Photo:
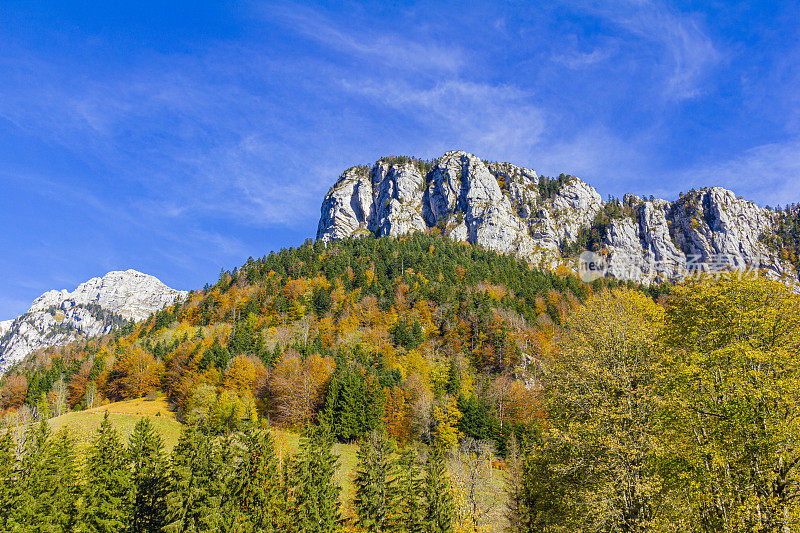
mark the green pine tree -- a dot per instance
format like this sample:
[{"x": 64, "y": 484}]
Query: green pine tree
[
  {"x": 407, "y": 506},
  {"x": 439, "y": 509},
  {"x": 227, "y": 465},
  {"x": 108, "y": 488},
  {"x": 373, "y": 483},
  {"x": 354, "y": 402},
  {"x": 47, "y": 480},
  {"x": 149, "y": 481},
  {"x": 315, "y": 491}
]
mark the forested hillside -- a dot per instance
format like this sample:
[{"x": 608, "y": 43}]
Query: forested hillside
[
  {"x": 365, "y": 333},
  {"x": 599, "y": 407}
]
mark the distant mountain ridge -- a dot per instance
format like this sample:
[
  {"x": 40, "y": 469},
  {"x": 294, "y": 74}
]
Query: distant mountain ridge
[
  {"x": 511, "y": 209},
  {"x": 95, "y": 307}
]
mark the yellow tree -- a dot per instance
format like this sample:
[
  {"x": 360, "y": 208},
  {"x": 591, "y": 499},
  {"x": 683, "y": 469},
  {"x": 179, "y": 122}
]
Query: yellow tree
[
  {"x": 595, "y": 467},
  {"x": 296, "y": 386},
  {"x": 734, "y": 402}
]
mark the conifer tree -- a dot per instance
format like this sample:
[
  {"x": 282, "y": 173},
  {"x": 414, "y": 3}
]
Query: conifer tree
[
  {"x": 258, "y": 489},
  {"x": 316, "y": 492},
  {"x": 65, "y": 489},
  {"x": 149, "y": 481},
  {"x": 33, "y": 480},
  {"x": 407, "y": 512},
  {"x": 108, "y": 488},
  {"x": 195, "y": 484},
  {"x": 354, "y": 403},
  {"x": 227, "y": 476},
  {"x": 8, "y": 477},
  {"x": 439, "y": 509},
  {"x": 47, "y": 482},
  {"x": 372, "y": 481}
]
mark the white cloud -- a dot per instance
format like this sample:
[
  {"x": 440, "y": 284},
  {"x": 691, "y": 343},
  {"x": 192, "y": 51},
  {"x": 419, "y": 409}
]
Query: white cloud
[
  {"x": 379, "y": 45},
  {"x": 768, "y": 174},
  {"x": 684, "y": 52},
  {"x": 493, "y": 121}
]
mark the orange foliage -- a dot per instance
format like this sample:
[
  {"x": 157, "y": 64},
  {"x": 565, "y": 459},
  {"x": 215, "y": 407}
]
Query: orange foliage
[
  {"x": 13, "y": 393},
  {"x": 397, "y": 416},
  {"x": 244, "y": 375},
  {"x": 296, "y": 386},
  {"x": 134, "y": 374},
  {"x": 77, "y": 385}
]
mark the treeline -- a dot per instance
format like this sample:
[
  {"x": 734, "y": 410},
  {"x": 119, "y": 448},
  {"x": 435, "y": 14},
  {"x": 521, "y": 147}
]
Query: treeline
[{"x": 229, "y": 483}]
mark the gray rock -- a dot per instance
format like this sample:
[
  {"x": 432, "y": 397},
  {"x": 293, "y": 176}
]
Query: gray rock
[
  {"x": 60, "y": 317},
  {"x": 510, "y": 209}
]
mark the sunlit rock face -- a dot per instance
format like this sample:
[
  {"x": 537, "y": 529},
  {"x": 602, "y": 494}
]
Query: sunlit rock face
[
  {"x": 510, "y": 209},
  {"x": 95, "y": 307}
]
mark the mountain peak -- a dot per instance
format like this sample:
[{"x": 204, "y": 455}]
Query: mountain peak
[{"x": 95, "y": 307}]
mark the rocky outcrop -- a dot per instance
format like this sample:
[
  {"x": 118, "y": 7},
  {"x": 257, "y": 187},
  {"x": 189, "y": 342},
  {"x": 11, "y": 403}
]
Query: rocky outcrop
[
  {"x": 495, "y": 205},
  {"x": 95, "y": 307},
  {"x": 511, "y": 209}
]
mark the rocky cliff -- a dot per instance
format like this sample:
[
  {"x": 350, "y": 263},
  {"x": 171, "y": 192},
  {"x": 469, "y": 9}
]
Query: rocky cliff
[
  {"x": 549, "y": 221},
  {"x": 95, "y": 307}
]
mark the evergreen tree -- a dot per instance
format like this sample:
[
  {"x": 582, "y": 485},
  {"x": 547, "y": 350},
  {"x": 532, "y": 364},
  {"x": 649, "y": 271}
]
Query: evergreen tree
[
  {"x": 316, "y": 493},
  {"x": 48, "y": 483},
  {"x": 439, "y": 508},
  {"x": 477, "y": 420},
  {"x": 196, "y": 484},
  {"x": 372, "y": 481},
  {"x": 145, "y": 454},
  {"x": 258, "y": 490},
  {"x": 228, "y": 464},
  {"x": 8, "y": 477},
  {"x": 354, "y": 403},
  {"x": 453, "y": 386},
  {"x": 108, "y": 490},
  {"x": 407, "y": 512}
]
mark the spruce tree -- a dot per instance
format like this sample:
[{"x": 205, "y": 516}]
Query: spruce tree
[
  {"x": 8, "y": 477},
  {"x": 108, "y": 482},
  {"x": 258, "y": 490},
  {"x": 65, "y": 489},
  {"x": 372, "y": 481},
  {"x": 227, "y": 475},
  {"x": 316, "y": 493},
  {"x": 354, "y": 402},
  {"x": 439, "y": 509},
  {"x": 149, "y": 481},
  {"x": 48, "y": 489},
  {"x": 33, "y": 502},
  {"x": 407, "y": 506},
  {"x": 195, "y": 484}
]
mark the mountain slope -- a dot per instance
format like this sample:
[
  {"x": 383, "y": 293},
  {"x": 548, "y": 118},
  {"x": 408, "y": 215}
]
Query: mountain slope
[
  {"x": 95, "y": 307},
  {"x": 511, "y": 209}
]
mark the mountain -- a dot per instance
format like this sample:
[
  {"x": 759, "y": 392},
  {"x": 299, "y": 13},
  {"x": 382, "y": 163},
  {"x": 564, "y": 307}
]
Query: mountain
[
  {"x": 549, "y": 221},
  {"x": 95, "y": 307}
]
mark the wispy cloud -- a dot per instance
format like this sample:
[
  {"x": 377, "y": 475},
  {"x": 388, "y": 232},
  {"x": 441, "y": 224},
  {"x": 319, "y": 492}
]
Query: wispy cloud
[
  {"x": 497, "y": 121},
  {"x": 378, "y": 45},
  {"x": 767, "y": 174},
  {"x": 680, "y": 51}
]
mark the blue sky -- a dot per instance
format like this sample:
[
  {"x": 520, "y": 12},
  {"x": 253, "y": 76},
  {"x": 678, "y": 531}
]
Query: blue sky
[{"x": 177, "y": 139}]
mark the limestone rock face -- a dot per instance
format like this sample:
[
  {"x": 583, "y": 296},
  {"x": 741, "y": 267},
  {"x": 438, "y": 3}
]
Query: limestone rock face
[
  {"x": 495, "y": 205},
  {"x": 511, "y": 209},
  {"x": 95, "y": 307}
]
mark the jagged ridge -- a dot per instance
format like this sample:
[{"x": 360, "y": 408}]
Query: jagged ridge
[{"x": 511, "y": 209}]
